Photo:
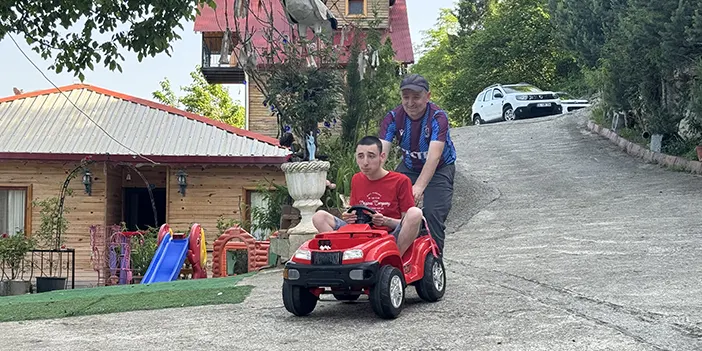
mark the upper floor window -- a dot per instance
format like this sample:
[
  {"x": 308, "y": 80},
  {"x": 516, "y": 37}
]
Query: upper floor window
[
  {"x": 13, "y": 204},
  {"x": 356, "y": 7}
]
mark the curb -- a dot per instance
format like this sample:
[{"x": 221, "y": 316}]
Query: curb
[{"x": 647, "y": 155}]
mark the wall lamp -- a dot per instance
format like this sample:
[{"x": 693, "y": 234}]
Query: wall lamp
[
  {"x": 88, "y": 181},
  {"x": 182, "y": 181}
]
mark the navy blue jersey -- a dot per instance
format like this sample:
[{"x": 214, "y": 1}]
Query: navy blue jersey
[{"x": 414, "y": 136}]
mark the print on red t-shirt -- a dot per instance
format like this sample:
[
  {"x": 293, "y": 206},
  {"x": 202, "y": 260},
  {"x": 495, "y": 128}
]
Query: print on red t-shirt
[{"x": 390, "y": 195}]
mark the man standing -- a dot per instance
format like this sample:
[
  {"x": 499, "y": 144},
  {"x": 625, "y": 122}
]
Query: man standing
[{"x": 422, "y": 132}]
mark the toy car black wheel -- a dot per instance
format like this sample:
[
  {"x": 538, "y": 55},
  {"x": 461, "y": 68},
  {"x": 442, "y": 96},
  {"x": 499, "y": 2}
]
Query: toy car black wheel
[
  {"x": 388, "y": 294},
  {"x": 433, "y": 285},
  {"x": 297, "y": 300}
]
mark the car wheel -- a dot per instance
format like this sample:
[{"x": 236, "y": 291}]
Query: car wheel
[
  {"x": 508, "y": 113},
  {"x": 477, "y": 120},
  {"x": 297, "y": 300},
  {"x": 388, "y": 295},
  {"x": 433, "y": 285}
]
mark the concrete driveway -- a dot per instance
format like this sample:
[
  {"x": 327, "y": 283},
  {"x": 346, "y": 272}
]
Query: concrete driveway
[{"x": 560, "y": 242}]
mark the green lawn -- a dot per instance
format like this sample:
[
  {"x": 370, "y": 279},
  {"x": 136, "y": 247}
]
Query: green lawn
[{"x": 122, "y": 298}]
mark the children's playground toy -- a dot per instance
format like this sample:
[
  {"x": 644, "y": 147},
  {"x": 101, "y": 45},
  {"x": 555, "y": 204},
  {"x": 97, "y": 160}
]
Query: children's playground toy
[
  {"x": 236, "y": 238},
  {"x": 119, "y": 251},
  {"x": 111, "y": 250},
  {"x": 173, "y": 249},
  {"x": 357, "y": 259}
]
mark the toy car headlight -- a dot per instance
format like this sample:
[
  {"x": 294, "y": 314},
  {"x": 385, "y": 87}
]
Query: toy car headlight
[
  {"x": 522, "y": 97},
  {"x": 303, "y": 254},
  {"x": 353, "y": 254}
]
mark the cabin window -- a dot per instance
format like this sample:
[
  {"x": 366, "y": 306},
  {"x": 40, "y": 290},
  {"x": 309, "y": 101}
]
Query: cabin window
[
  {"x": 356, "y": 7},
  {"x": 13, "y": 210}
]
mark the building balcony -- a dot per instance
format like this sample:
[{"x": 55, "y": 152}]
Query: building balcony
[{"x": 215, "y": 68}]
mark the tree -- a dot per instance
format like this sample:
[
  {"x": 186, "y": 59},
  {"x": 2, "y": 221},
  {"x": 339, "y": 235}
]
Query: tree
[
  {"x": 146, "y": 27},
  {"x": 471, "y": 15},
  {"x": 583, "y": 26},
  {"x": 438, "y": 61},
  {"x": 380, "y": 84},
  {"x": 516, "y": 44},
  {"x": 353, "y": 95},
  {"x": 646, "y": 56},
  {"x": 209, "y": 100}
]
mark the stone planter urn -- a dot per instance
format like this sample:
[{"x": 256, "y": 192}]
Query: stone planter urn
[{"x": 306, "y": 182}]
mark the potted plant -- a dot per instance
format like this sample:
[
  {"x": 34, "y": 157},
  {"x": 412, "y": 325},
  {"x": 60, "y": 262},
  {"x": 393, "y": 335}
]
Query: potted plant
[
  {"x": 303, "y": 96},
  {"x": 49, "y": 238},
  {"x": 13, "y": 249}
]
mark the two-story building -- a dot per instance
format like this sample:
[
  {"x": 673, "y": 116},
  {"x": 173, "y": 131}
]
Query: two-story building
[{"x": 390, "y": 16}]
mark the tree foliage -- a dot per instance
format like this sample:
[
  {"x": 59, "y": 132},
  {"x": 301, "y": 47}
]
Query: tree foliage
[
  {"x": 495, "y": 42},
  {"x": 209, "y": 100},
  {"x": 369, "y": 99},
  {"x": 647, "y": 54},
  {"x": 145, "y": 27},
  {"x": 307, "y": 95},
  {"x": 641, "y": 57},
  {"x": 438, "y": 63}
]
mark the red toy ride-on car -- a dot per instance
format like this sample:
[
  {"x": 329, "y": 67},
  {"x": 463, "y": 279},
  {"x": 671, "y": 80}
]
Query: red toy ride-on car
[{"x": 356, "y": 260}]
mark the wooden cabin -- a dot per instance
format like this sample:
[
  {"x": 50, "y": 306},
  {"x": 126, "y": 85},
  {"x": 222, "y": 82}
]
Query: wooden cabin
[{"x": 133, "y": 145}]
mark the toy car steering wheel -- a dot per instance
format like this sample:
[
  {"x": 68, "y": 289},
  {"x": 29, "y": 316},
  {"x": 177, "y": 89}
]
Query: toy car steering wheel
[{"x": 361, "y": 216}]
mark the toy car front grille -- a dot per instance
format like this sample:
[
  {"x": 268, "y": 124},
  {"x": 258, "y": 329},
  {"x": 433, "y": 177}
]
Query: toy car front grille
[{"x": 322, "y": 258}]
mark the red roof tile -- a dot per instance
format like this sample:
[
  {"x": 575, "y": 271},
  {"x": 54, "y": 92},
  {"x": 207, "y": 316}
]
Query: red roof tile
[{"x": 211, "y": 20}]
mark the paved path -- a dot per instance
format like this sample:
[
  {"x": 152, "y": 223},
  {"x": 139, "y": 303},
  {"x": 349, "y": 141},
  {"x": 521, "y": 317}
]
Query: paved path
[{"x": 560, "y": 242}]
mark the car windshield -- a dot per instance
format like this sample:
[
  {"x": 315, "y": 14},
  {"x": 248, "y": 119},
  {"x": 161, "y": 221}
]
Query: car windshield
[{"x": 525, "y": 88}]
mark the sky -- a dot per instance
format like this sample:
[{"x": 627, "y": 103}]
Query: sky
[{"x": 141, "y": 79}]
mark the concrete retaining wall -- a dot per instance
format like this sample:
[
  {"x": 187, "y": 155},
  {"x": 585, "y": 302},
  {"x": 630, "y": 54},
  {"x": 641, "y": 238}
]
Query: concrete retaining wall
[{"x": 639, "y": 151}]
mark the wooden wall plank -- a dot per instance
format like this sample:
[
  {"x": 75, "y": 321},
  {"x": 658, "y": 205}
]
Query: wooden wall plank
[{"x": 213, "y": 192}]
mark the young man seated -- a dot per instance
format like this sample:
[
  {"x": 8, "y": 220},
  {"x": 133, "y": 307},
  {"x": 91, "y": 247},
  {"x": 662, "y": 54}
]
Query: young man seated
[{"x": 388, "y": 193}]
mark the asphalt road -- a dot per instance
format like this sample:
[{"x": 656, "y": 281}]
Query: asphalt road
[{"x": 559, "y": 241}]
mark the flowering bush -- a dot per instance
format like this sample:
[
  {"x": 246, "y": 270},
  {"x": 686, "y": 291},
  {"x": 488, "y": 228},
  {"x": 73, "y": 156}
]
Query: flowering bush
[{"x": 13, "y": 248}]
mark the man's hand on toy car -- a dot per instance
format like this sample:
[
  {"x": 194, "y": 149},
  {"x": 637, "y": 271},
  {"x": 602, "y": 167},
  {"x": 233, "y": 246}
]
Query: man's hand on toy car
[
  {"x": 362, "y": 214},
  {"x": 349, "y": 218},
  {"x": 378, "y": 219}
]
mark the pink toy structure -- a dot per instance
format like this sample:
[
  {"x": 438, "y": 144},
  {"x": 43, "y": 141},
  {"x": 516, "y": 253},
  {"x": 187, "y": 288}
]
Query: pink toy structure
[{"x": 119, "y": 251}]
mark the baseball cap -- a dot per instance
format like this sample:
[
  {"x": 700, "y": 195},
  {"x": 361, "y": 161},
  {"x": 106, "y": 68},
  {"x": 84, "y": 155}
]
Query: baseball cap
[{"x": 414, "y": 82}]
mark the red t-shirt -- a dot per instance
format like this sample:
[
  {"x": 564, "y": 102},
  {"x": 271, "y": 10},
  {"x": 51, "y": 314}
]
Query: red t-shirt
[{"x": 390, "y": 195}]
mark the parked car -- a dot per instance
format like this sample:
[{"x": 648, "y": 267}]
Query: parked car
[
  {"x": 571, "y": 103},
  {"x": 513, "y": 101}
]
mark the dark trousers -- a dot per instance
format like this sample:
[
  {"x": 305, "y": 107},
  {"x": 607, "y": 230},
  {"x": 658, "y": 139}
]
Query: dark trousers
[{"x": 437, "y": 199}]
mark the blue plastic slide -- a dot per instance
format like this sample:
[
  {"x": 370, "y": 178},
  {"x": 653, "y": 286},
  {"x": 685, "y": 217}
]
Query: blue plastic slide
[{"x": 167, "y": 261}]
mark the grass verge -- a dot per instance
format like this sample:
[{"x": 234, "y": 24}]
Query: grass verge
[{"x": 123, "y": 298}]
